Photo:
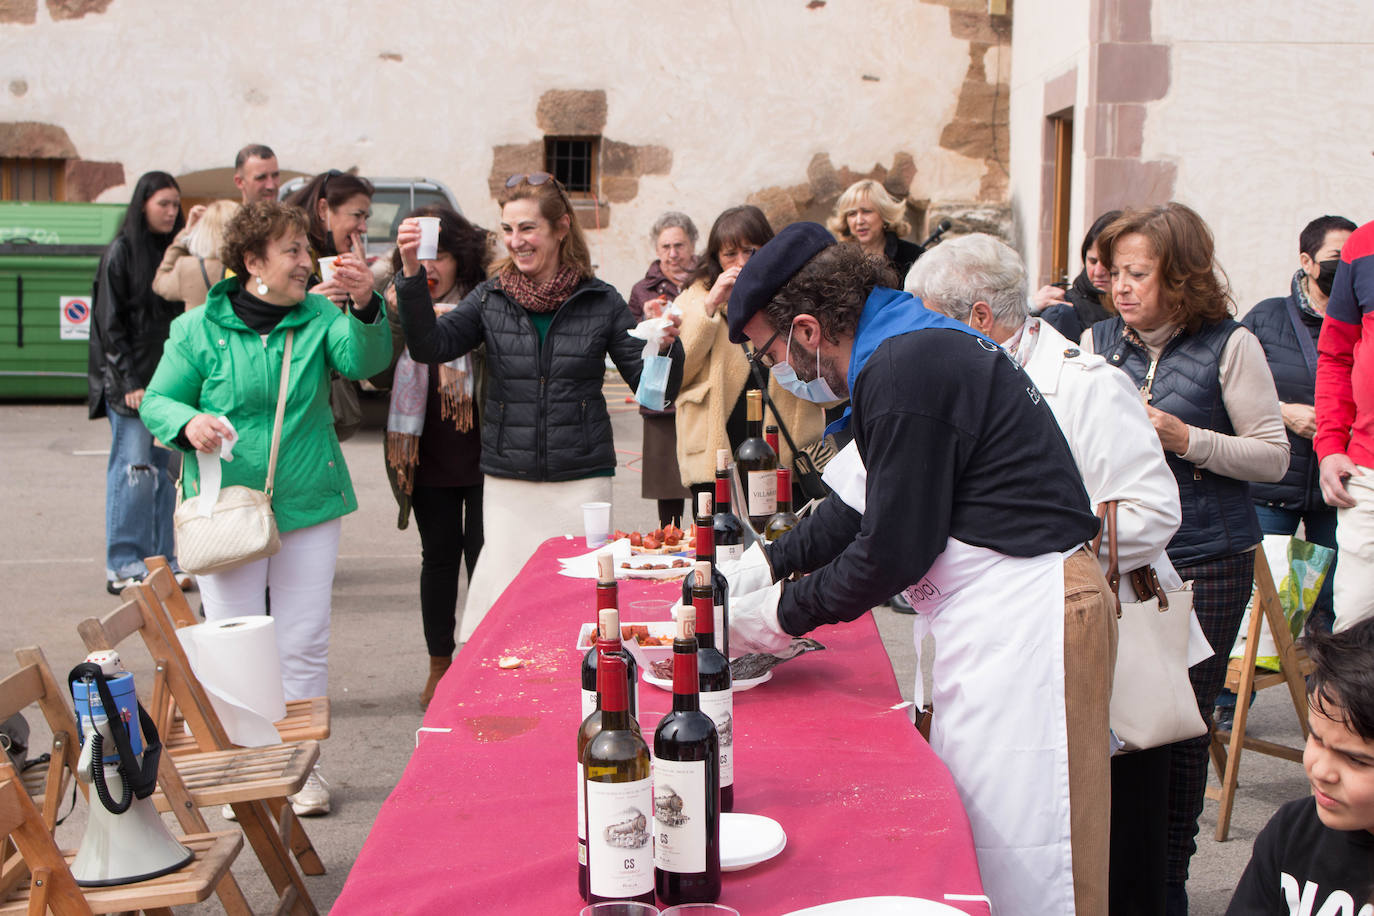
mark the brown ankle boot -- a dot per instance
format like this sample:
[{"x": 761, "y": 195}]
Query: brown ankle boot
[{"x": 438, "y": 664}]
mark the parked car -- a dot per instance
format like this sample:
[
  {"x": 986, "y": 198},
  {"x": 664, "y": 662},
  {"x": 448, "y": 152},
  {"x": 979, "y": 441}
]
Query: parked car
[{"x": 394, "y": 198}]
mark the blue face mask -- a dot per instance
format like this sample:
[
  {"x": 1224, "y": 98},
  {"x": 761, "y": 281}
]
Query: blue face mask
[{"x": 816, "y": 391}]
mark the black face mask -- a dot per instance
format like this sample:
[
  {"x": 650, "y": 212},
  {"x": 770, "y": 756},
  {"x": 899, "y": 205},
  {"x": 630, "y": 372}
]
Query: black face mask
[{"x": 1327, "y": 275}]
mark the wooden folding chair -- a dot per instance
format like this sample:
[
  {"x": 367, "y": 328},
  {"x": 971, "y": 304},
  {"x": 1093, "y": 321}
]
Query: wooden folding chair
[
  {"x": 50, "y": 885},
  {"x": 306, "y": 720},
  {"x": 35, "y": 685},
  {"x": 1242, "y": 677},
  {"x": 255, "y": 782}
]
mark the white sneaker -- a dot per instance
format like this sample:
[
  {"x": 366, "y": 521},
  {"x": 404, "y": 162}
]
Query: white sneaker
[
  {"x": 227, "y": 812},
  {"x": 313, "y": 798}
]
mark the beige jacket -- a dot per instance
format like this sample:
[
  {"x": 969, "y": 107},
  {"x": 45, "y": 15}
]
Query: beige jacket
[
  {"x": 179, "y": 279},
  {"x": 713, "y": 378}
]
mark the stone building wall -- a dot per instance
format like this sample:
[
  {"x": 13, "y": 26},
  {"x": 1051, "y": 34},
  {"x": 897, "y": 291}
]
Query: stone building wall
[{"x": 699, "y": 106}]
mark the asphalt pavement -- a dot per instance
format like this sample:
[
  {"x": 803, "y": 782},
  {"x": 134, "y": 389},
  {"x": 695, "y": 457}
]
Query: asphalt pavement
[{"x": 52, "y": 495}]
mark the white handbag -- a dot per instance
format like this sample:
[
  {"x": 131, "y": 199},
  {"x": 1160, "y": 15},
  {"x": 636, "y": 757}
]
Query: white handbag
[
  {"x": 240, "y": 527},
  {"x": 1152, "y": 698}
]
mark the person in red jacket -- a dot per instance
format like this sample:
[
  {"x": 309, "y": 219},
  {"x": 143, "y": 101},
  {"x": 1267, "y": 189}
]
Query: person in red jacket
[{"x": 1345, "y": 422}]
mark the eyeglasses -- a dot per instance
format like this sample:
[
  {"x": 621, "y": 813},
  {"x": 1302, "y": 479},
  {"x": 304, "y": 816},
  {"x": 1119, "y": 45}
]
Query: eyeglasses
[{"x": 761, "y": 357}]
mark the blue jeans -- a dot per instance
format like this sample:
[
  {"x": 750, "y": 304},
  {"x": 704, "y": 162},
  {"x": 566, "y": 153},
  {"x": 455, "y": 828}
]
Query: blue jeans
[
  {"x": 1319, "y": 527},
  {"x": 140, "y": 497}
]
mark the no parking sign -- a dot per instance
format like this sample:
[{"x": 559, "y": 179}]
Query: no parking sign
[{"x": 75, "y": 317}]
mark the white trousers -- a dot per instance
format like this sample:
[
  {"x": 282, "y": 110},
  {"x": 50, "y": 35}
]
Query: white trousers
[
  {"x": 301, "y": 577},
  {"x": 1351, "y": 593}
]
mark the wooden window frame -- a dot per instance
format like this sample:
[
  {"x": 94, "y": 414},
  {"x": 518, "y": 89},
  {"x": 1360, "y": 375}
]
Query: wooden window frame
[
  {"x": 593, "y": 162},
  {"x": 57, "y": 178}
]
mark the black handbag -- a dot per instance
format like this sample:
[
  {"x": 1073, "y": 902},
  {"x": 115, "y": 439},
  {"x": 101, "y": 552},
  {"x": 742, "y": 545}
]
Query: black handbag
[{"x": 804, "y": 470}]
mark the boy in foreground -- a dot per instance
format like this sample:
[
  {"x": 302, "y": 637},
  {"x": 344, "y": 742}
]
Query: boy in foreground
[{"x": 1316, "y": 855}]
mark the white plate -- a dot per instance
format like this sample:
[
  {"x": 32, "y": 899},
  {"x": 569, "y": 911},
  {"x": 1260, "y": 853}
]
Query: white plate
[
  {"x": 748, "y": 839},
  {"x": 880, "y": 906},
  {"x": 746, "y": 684},
  {"x": 643, "y": 655},
  {"x": 637, "y": 570}
]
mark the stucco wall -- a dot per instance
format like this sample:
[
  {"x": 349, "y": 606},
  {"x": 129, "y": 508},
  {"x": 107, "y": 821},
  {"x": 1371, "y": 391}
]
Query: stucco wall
[
  {"x": 1049, "y": 42},
  {"x": 1268, "y": 121},
  {"x": 1261, "y": 120},
  {"x": 743, "y": 94}
]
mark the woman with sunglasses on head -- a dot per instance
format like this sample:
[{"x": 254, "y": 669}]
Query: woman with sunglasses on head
[
  {"x": 716, "y": 373},
  {"x": 548, "y": 325}
]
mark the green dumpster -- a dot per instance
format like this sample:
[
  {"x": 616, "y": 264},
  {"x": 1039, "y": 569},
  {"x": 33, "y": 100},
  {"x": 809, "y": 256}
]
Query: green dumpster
[{"x": 49, "y": 253}]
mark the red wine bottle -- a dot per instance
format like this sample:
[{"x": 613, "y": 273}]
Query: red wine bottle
[
  {"x": 607, "y": 596},
  {"x": 729, "y": 544},
  {"x": 619, "y": 794},
  {"x": 758, "y": 467},
  {"x": 686, "y": 785},
  {"x": 784, "y": 520},
  {"x": 714, "y": 683},
  {"x": 591, "y": 725},
  {"x": 706, "y": 553}
]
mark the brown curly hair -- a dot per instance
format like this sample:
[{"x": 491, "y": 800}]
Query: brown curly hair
[
  {"x": 254, "y": 226},
  {"x": 832, "y": 287},
  {"x": 1193, "y": 287}
]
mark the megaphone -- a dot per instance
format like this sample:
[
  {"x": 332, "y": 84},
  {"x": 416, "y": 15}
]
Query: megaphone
[{"x": 125, "y": 839}]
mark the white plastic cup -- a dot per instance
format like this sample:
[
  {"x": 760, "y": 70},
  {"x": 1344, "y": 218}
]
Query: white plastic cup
[
  {"x": 701, "y": 909},
  {"x": 429, "y": 238},
  {"x": 327, "y": 268},
  {"x": 596, "y": 522}
]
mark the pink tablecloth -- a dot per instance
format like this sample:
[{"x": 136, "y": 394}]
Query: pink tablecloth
[{"x": 484, "y": 819}]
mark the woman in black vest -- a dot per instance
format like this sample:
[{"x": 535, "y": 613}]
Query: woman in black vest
[
  {"x": 1285, "y": 325},
  {"x": 1072, "y": 311},
  {"x": 1211, "y": 399}
]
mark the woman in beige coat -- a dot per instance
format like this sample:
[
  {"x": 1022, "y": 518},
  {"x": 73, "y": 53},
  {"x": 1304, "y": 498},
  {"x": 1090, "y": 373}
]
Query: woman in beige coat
[
  {"x": 192, "y": 263},
  {"x": 711, "y": 405}
]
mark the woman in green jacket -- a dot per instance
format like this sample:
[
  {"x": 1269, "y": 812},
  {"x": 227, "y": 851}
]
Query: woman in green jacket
[{"x": 223, "y": 362}]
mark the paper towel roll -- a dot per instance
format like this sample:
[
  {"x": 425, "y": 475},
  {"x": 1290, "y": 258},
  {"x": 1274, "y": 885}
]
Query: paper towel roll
[{"x": 236, "y": 660}]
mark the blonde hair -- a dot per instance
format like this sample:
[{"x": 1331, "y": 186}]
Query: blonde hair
[
  {"x": 207, "y": 236},
  {"x": 892, "y": 211},
  {"x": 554, "y": 204}
]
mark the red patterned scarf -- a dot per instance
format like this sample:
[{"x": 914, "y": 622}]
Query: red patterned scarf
[{"x": 540, "y": 297}]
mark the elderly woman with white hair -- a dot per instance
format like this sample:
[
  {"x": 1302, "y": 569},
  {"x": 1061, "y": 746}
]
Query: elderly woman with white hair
[
  {"x": 867, "y": 214},
  {"x": 980, "y": 281},
  {"x": 675, "y": 242}
]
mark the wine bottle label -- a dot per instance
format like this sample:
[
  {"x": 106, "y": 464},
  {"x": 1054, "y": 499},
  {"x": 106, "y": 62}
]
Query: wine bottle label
[
  {"x": 720, "y": 706},
  {"x": 680, "y": 794},
  {"x": 620, "y": 852},
  {"x": 581, "y": 818},
  {"x": 763, "y": 493},
  {"x": 589, "y": 702},
  {"x": 719, "y": 616},
  {"x": 729, "y": 552}
]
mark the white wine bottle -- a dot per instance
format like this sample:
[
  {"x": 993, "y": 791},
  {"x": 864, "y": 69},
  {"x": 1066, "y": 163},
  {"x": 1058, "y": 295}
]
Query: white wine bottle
[
  {"x": 784, "y": 520},
  {"x": 758, "y": 466},
  {"x": 619, "y": 795},
  {"x": 686, "y": 784}
]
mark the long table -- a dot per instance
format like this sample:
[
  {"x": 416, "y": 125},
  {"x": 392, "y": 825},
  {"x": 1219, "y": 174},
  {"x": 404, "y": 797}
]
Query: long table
[{"x": 484, "y": 817}]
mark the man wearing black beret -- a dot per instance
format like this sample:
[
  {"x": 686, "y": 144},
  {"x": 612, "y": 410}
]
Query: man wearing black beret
[{"x": 973, "y": 504}]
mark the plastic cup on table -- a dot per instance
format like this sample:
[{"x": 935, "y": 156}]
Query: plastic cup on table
[
  {"x": 621, "y": 908},
  {"x": 327, "y": 268},
  {"x": 701, "y": 909},
  {"x": 596, "y": 520},
  {"x": 649, "y": 609},
  {"x": 429, "y": 238}
]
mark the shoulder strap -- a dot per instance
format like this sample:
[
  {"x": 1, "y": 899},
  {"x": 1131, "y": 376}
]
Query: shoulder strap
[
  {"x": 281, "y": 411},
  {"x": 204, "y": 274},
  {"x": 1309, "y": 349},
  {"x": 1107, "y": 513}
]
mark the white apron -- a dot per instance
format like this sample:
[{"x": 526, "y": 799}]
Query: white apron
[{"x": 999, "y": 722}]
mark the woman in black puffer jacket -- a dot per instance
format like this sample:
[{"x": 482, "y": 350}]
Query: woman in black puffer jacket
[{"x": 548, "y": 325}]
